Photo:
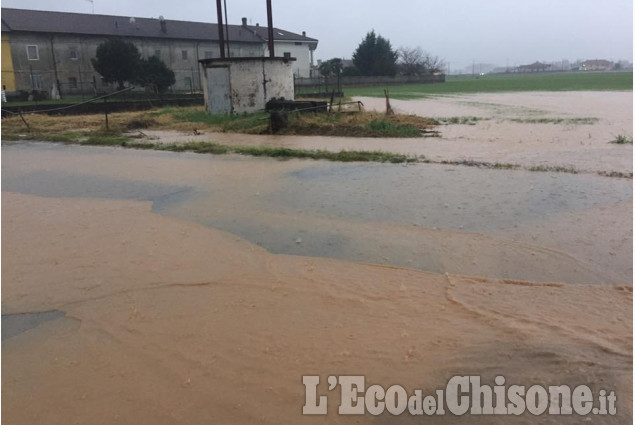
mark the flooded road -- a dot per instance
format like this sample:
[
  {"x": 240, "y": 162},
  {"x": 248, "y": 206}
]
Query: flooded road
[{"x": 534, "y": 226}]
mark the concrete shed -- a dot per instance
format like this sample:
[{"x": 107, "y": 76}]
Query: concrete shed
[{"x": 239, "y": 85}]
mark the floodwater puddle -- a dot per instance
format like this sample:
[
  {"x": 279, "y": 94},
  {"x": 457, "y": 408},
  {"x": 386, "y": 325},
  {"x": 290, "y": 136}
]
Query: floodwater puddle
[{"x": 15, "y": 324}]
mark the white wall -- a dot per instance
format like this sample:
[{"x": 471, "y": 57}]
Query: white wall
[
  {"x": 302, "y": 53},
  {"x": 248, "y": 92}
]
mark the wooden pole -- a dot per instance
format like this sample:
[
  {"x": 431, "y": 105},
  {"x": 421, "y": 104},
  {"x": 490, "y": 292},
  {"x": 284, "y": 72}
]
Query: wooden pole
[
  {"x": 331, "y": 103},
  {"x": 389, "y": 110},
  {"x": 106, "y": 112},
  {"x": 24, "y": 121}
]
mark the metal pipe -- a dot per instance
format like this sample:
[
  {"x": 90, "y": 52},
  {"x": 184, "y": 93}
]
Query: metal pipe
[
  {"x": 270, "y": 29},
  {"x": 221, "y": 35}
]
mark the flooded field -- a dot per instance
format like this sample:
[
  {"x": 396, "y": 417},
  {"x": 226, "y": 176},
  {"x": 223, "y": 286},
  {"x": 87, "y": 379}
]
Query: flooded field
[
  {"x": 571, "y": 129},
  {"x": 495, "y": 223},
  {"x": 537, "y": 129},
  {"x": 157, "y": 287}
]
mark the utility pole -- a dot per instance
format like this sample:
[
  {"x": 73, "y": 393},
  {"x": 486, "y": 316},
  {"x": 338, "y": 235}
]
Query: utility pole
[
  {"x": 221, "y": 35},
  {"x": 227, "y": 29},
  {"x": 270, "y": 29}
]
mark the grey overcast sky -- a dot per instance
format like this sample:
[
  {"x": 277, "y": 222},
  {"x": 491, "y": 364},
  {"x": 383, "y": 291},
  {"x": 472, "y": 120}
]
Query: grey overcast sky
[{"x": 513, "y": 32}]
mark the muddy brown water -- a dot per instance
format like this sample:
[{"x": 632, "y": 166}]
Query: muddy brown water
[
  {"x": 169, "y": 320},
  {"x": 496, "y": 223}
]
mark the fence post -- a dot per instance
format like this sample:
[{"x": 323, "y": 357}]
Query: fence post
[
  {"x": 81, "y": 81},
  {"x": 24, "y": 121},
  {"x": 331, "y": 102},
  {"x": 389, "y": 110},
  {"x": 106, "y": 111}
]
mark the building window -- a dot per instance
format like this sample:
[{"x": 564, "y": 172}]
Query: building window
[
  {"x": 36, "y": 81},
  {"x": 72, "y": 82},
  {"x": 32, "y": 53},
  {"x": 208, "y": 54},
  {"x": 157, "y": 53},
  {"x": 298, "y": 43},
  {"x": 73, "y": 53},
  {"x": 184, "y": 54}
]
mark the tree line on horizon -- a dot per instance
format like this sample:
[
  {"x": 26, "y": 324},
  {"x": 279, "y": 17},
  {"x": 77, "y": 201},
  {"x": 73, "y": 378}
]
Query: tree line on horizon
[
  {"x": 119, "y": 61},
  {"x": 375, "y": 56}
]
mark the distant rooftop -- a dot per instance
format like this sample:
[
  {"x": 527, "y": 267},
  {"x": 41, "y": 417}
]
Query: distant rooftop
[{"x": 123, "y": 26}]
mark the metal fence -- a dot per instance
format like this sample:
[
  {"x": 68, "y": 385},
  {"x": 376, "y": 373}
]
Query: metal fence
[
  {"x": 38, "y": 85},
  {"x": 317, "y": 86}
]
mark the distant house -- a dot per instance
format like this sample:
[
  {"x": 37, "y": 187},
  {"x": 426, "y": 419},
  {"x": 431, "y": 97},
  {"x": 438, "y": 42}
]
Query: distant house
[
  {"x": 52, "y": 51},
  {"x": 534, "y": 67},
  {"x": 596, "y": 65},
  {"x": 347, "y": 63}
]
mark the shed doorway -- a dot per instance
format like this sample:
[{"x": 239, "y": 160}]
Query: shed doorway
[{"x": 219, "y": 90}]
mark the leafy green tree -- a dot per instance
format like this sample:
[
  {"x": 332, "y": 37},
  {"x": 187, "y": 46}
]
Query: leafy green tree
[
  {"x": 351, "y": 71},
  {"x": 117, "y": 61},
  {"x": 375, "y": 56},
  {"x": 331, "y": 67},
  {"x": 154, "y": 73}
]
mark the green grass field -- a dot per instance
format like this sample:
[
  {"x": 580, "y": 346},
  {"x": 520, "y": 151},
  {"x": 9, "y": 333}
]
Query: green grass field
[{"x": 503, "y": 83}]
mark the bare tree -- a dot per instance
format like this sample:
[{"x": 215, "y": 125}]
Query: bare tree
[
  {"x": 416, "y": 61},
  {"x": 433, "y": 64},
  {"x": 411, "y": 60}
]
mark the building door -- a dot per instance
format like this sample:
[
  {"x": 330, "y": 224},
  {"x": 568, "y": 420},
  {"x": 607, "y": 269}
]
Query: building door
[{"x": 219, "y": 90}]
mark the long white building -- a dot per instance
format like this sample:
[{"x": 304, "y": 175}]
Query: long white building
[{"x": 43, "y": 49}]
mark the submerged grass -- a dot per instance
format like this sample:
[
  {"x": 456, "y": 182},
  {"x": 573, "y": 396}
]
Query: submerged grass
[
  {"x": 553, "y": 169},
  {"x": 482, "y": 164},
  {"x": 112, "y": 140},
  {"x": 616, "y": 174},
  {"x": 622, "y": 139},
  {"x": 267, "y": 151},
  {"x": 342, "y": 156},
  {"x": 470, "y": 120},
  {"x": 588, "y": 120}
]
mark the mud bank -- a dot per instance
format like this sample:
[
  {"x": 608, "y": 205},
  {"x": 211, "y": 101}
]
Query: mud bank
[{"x": 172, "y": 322}]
